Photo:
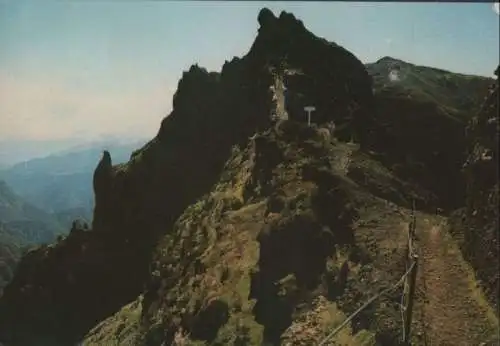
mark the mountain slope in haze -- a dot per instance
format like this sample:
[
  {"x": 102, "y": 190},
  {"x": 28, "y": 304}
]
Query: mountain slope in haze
[
  {"x": 240, "y": 225},
  {"x": 27, "y": 221},
  {"x": 62, "y": 183},
  {"x": 10, "y": 254},
  {"x": 21, "y": 225},
  {"x": 476, "y": 225},
  {"x": 13, "y": 151},
  {"x": 76, "y": 159}
]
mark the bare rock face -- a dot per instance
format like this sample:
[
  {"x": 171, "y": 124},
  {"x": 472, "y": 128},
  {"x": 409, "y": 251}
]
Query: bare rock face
[
  {"x": 266, "y": 17},
  {"x": 102, "y": 182},
  {"x": 315, "y": 72},
  {"x": 480, "y": 221},
  {"x": 102, "y": 171}
]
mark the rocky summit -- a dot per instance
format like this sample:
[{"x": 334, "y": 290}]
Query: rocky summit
[{"x": 239, "y": 224}]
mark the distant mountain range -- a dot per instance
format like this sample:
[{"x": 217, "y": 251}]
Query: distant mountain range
[
  {"x": 13, "y": 151},
  {"x": 61, "y": 184}
]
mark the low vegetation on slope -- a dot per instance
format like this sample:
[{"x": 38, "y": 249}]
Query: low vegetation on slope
[
  {"x": 457, "y": 95},
  {"x": 21, "y": 226},
  {"x": 28, "y": 222},
  {"x": 420, "y": 118},
  {"x": 10, "y": 253},
  {"x": 287, "y": 244}
]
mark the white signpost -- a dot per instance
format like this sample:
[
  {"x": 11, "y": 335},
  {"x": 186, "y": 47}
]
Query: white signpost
[{"x": 309, "y": 109}]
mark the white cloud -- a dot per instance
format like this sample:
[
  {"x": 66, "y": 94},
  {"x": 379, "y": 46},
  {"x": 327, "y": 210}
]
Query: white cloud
[
  {"x": 388, "y": 41},
  {"x": 51, "y": 109},
  {"x": 496, "y": 8}
]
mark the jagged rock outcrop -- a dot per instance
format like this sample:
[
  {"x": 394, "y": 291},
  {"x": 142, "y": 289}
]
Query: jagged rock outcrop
[
  {"x": 477, "y": 225},
  {"x": 89, "y": 275},
  {"x": 314, "y": 72},
  {"x": 102, "y": 185}
]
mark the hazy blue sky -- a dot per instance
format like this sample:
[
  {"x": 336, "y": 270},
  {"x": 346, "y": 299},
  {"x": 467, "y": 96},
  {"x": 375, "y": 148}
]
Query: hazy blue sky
[{"x": 75, "y": 69}]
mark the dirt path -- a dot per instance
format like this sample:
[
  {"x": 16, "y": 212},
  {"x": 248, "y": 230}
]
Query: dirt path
[{"x": 450, "y": 309}]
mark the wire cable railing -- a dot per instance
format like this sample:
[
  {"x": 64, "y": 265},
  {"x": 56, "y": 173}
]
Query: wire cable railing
[
  {"x": 408, "y": 288},
  {"x": 371, "y": 300}
]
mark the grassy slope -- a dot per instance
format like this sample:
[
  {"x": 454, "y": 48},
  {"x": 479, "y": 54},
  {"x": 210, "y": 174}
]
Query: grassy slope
[
  {"x": 456, "y": 94},
  {"x": 232, "y": 270},
  {"x": 412, "y": 113},
  {"x": 26, "y": 221},
  {"x": 249, "y": 263},
  {"x": 21, "y": 225}
]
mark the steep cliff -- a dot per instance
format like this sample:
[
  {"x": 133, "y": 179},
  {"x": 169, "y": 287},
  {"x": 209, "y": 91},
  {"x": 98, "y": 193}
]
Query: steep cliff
[
  {"x": 477, "y": 224},
  {"x": 420, "y": 116}
]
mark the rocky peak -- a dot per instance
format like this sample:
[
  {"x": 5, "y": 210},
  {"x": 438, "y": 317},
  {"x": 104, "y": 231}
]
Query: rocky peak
[
  {"x": 266, "y": 17},
  {"x": 284, "y": 56},
  {"x": 314, "y": 72},
  {"x": 389, "y": 59},
  {"x": 286, "y": 22}
]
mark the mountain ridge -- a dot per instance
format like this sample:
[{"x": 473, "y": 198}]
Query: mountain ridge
[
  {"x": 270, "y": 214},
  {"x": 395, "y": 60}
]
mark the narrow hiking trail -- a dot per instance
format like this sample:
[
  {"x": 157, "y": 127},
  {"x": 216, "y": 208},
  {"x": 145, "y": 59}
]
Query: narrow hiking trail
[{"x": 449, "y": 309}]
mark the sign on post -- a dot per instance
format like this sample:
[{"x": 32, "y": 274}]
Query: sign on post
[{"x": 309, "y": 109}]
